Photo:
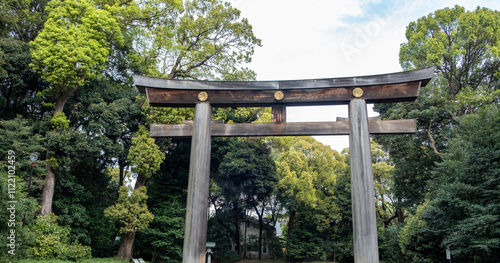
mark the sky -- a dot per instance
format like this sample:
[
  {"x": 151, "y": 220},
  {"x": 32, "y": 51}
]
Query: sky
[{"x": 333, "y": 38}]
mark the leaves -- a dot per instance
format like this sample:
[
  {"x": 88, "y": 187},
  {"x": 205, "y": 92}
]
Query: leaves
[
  {"x": 463, "y": 46},
  {"x": 130, "y": 210},
  {"x": 144, "y": 156},
  {"x": 208, "y": 40},
  {"x": 308, "y": 176},
  {"x": 73, "y": 46}
]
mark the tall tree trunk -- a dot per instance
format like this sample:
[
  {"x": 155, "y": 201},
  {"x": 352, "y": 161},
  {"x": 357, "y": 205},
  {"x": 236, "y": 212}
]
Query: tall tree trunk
[
  {"x": 126, "y": 246},
  {"x": 237, "y": 226},
  {"x": 141, "y": 181},
  {"x": 261, "y": 226},
  {"x": 62, "y": 99},
  {"x": 50, "y": 177},
  {"x": 48, "y": 191},
  {"x": 291, "y": 222},
  {"x": 245, "y": 246},
  {"x": 121, "y": 176}
]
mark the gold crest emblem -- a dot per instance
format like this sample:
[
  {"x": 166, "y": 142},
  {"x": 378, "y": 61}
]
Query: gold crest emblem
[
  {"x": 278, "y": 95},
  {"x": 357, "y": 92},
  {"x": 202, "y": 96}
]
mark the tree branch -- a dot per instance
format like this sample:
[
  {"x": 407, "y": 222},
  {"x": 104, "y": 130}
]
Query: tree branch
[{"x": 431, "y": 139}]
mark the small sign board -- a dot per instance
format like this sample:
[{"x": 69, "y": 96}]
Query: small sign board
[{"x": 448, "y": 253}]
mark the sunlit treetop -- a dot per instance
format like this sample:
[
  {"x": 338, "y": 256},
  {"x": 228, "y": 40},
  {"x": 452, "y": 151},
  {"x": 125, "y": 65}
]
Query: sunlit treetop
[
  {"x": 464, "y": 46},
  {"x": 74, "y": 44}
]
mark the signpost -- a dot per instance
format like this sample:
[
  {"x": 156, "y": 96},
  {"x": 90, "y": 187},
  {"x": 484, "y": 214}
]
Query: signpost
[{"x": 355, "y": 92}]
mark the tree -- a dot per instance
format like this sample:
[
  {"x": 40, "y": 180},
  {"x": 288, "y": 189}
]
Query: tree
[
  {"x": 144, "y": 156},
  {"x": 167, "y": 191},
  {"x": 71, "y": 50},
  {"x": 437, "y": 170},
  {"x": 208, "y": 41},
  {"x": 133, "y": 215},
  {"x": 18, "y": 83},
  {"x": 245, "y": 178},
  {"x": 22, "y": 19},
  {"x": 463, "y": 46},
  {"x": 308, "y": 176},
  {"x": 17, "y": 143},
  {"x": 462, "y": 211},
  {"x": 386, "y": 204},
  {"x": 109, "y": 113},
  {"x": 73, "y": 47}
]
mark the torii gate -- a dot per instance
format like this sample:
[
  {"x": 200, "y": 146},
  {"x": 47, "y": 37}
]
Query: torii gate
[{"x": 354, "y": 91}]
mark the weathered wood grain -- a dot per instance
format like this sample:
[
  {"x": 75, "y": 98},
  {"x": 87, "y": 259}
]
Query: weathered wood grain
[
  {"x": 362, "y": 190},
  {"x": 195, "y": 231},
  {"x": 278, "y": 113},
  {"x": 284, "y": 129},
  {"x": 295, "y": 97}
]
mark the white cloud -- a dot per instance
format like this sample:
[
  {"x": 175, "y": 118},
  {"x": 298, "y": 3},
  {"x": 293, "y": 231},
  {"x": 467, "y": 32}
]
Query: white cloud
[{"x": 327, "y": 39}]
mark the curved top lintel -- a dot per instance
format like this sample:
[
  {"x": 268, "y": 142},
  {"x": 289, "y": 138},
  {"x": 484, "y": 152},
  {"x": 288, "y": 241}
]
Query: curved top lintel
[{"x": 423, "y": 75}]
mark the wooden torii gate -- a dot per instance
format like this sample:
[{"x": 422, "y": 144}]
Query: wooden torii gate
[{"x": 354, "y": 91}]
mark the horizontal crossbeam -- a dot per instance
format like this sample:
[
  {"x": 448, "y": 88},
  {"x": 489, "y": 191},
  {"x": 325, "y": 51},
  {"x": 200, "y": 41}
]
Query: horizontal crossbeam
[
  {"x": 296, "y": 97},
  {"x": 375, "y": 125}
]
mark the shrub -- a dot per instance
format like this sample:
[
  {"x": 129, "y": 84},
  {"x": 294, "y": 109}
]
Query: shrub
[{"x": 52, "y": 241}]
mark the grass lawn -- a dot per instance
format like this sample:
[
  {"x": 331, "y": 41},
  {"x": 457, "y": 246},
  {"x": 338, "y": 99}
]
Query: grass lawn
[
  {"x": 114, "y": 260},
  {"x": 93, "y": 260},
  {"x": 275, "y": 261}
]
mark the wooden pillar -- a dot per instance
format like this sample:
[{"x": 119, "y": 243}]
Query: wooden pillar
[
  {"x": 195, "y": 232},
  {"x": 278, "y": 113},
  {"x": 362, "y": 190}
]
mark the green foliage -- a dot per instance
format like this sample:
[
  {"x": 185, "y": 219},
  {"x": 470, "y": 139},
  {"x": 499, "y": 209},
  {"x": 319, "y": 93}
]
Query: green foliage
[
  {"x": 144, "y": 156},
  {"x": 447, "y": 169},
  {"x": 53, "y": 242},
  {"x": 307, "y": 175},
  {"x": 417, "y": 241},
  {"x": 167, "y": 197},
  {"x": 164, "y": 238},
  {"x": 130, "y": 210},
  {"x": 59, "y": 121},
  {"x": 25, "y": 211},
  {"x": 342, "y": 231},
  {"x": 244, "y": 178},
  {"x": 19, "y": 83},
  {"x": 389, "y": 249},
  {"x": 17, "y": 142},
  {"x": 73, "y": 46},
  {"x": 17, "y": 135},
  {"x": 314, "y": 187},
  {"x": 93, "y": 260},
  {"x": 22, "y": 19},
  {"x": 208, "y": 40},
  {"x": 462, "y": 212},
  {"x": 464, "y": 46},
  {"x": 246, "y": 170},
  {"x": 305, "y": 244}
]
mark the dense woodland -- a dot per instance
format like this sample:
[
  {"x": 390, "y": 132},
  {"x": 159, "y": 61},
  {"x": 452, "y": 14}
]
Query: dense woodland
[{"x": 67, "y": 95}]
